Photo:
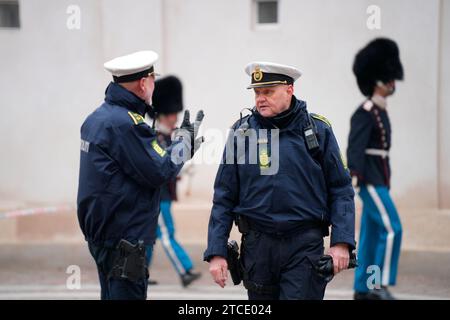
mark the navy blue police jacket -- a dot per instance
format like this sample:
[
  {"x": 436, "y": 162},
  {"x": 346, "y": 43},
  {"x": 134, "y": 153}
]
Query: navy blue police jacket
[
  {"x": 305, "y": 188},
  {"x": 122, "y": 168},
  {"x": 370, "y": 129}
]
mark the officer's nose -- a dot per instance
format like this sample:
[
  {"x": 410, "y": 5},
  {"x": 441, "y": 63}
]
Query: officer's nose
[{"x": 260, "y": 99}]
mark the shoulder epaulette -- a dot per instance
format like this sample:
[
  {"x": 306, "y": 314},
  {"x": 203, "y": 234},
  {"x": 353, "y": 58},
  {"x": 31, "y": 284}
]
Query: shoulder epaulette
[
  {"x": 136, "y": 117},
  {"x": 321, "y": 118},
  {"x": 368, "y": 105}
]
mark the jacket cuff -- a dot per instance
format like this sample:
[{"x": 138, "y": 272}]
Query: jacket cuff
[
  {"x": 215, "y": 251},
  {"x": 341, "y": 237}
]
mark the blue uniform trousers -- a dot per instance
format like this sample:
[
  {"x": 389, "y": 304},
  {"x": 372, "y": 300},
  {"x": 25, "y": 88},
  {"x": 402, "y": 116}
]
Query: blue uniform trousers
[
  {"x": 166, "y": 233},
  {"x": 380, "y": 239},
  {"x": 283, "y": 266}
]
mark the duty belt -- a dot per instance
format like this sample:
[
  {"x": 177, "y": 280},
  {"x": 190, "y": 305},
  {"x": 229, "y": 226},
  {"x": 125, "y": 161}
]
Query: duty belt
[{"x": 246, "y": 224}]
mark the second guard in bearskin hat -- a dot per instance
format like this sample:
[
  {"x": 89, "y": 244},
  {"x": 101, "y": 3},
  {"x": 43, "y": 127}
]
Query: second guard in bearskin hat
[{"x": 376, "y": 67}]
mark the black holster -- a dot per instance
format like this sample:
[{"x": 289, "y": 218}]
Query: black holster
[
  {"x": 233, "y": 261},
  {"x": 129, "y": 262},
  {"x": 242, "y": 224},
  {"x": 234, "y": 258}
]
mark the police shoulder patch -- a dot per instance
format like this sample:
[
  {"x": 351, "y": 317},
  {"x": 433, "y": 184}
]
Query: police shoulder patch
[
  {"x": 158, "y": 149},
  {"x": 321, "y": 118},
  {"x": 136, "y": 117}
]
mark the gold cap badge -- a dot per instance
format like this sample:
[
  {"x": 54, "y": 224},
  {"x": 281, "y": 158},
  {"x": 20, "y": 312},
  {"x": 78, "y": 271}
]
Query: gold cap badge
[{"x": 257, "y": 74}]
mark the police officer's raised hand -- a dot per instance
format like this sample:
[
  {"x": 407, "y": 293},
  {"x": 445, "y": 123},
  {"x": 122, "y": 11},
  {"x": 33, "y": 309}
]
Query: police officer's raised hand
[
  {"x": 190, "y": 130},
  {"x": 341, "y": 257},
  {"x": 218, "y": 268}
]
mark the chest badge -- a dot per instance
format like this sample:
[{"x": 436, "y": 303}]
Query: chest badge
[{"x": 263, "y": 158}]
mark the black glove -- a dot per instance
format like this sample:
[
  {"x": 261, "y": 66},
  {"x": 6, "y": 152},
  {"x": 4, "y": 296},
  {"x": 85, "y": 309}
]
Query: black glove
[
  {"x": 325, "y": 268},
  {"x": 189, "y": 130}
]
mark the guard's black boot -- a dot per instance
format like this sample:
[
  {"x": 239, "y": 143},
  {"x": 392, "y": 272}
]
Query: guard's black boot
[
  {"x": 361, "y": 296},
  {"x": 375, "y": 294},
  {"x": 386, "y": 294},
  {"x": 152, "y": 282},
  {"x": 188, "y": 277}
]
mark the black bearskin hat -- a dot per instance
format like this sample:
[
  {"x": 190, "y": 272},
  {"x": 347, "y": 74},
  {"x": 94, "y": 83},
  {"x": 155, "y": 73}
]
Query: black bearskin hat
[
  {"x": 168, "y": 95},
  {"x": 378, "y": 61}
]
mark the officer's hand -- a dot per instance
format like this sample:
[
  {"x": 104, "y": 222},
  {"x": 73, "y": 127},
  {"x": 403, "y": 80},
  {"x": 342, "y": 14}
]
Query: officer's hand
[
  {"x": 355, "y": 183},
  {"x": 191, "y": 129},
  {"x": 218, "y": 268},
  {"x": 341, "y": 256}
]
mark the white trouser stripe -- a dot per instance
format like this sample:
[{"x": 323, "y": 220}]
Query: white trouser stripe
[
  {"x": 390, "y": 236},
  {"x": 168, "y": 245}
]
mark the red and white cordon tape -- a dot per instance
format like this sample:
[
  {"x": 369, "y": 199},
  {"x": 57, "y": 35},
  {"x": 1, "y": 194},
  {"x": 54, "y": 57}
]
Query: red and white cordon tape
[{"x": 37, "y": 211}]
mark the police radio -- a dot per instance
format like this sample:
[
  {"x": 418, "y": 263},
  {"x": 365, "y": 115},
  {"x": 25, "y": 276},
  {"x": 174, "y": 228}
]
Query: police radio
[
  {"x": 243, "y": 124},
  {"x": 310, "y": 133}
]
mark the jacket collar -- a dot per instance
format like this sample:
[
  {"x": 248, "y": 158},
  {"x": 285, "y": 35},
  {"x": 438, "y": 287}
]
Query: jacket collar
[
  {"x": 115, "y": 94},
  {"x": 379, "y": 101},
  {"x": 285, "y": 119}
]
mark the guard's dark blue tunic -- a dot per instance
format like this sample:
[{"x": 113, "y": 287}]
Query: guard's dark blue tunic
[
  {"x": 122, "y": 168},
  {"x": 370, "y": 130},
  {"x": 169, "y": 189},
  {"x": 305, "y": 189}
]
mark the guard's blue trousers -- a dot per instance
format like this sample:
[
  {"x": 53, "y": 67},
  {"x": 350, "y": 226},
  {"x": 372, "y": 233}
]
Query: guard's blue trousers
[
  {"x": 282, "y": 268},
  {"x": 379, "y": 241},
  {"x": 166, "y": 233}
]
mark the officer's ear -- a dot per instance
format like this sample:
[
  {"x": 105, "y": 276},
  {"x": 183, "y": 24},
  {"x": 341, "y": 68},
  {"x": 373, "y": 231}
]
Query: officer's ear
[
  {"x": 142, "y": 85},
  {"x": 290, "y": 89}
]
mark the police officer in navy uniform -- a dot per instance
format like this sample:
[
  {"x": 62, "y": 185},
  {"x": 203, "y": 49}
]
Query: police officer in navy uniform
[
  {"x": 122, "y": 168},
  {"x": 376, "y": 68},
  {"x": 288, "y": 197}
]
